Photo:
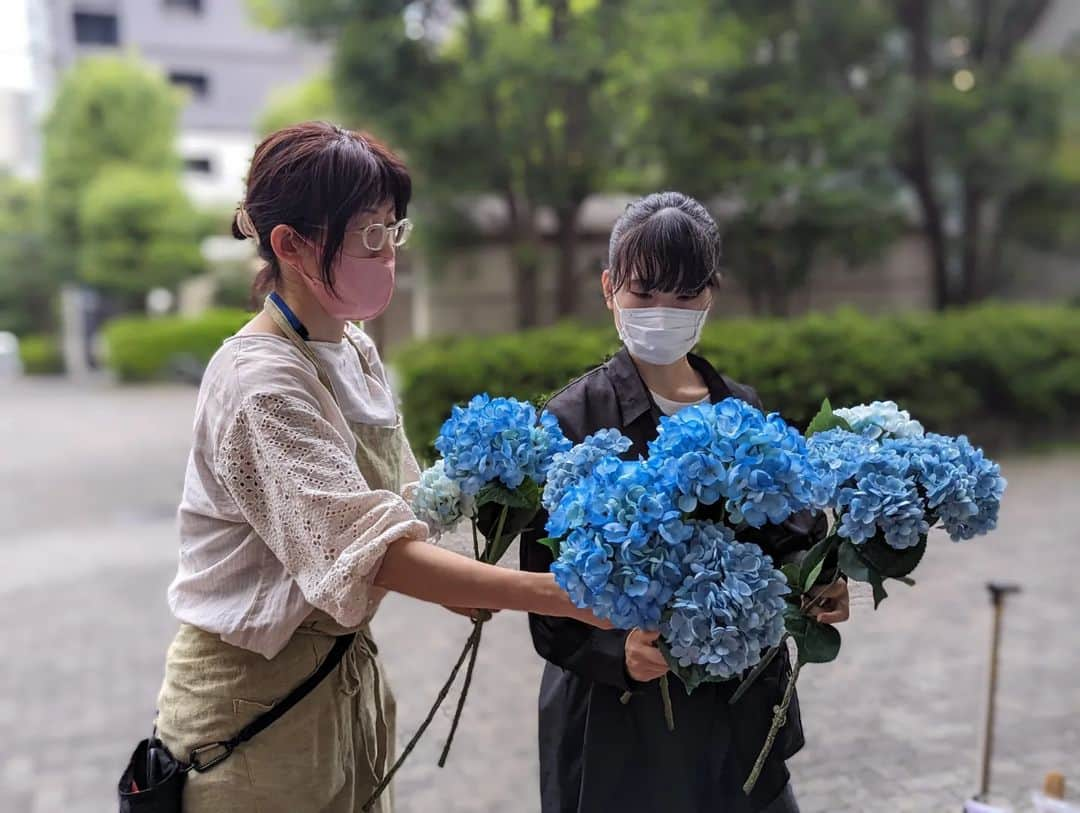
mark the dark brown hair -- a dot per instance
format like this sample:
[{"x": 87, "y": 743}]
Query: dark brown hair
[
  {"x": 316, "y": 176},
  {"x": 668, "y": 243}
]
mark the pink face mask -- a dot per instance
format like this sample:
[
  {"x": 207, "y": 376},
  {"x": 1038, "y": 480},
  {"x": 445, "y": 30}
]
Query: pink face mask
[{"x": 363, "y": 288}]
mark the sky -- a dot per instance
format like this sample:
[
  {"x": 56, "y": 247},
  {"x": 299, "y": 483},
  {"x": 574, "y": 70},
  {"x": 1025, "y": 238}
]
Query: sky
[{"x": 14, "y": 44}]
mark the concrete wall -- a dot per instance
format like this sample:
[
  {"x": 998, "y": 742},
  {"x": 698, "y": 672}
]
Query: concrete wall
[{"x": 472, "y": 292}]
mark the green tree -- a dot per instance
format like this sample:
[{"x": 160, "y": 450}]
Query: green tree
[
  {"x": 108, "y": 110},
  {"x": 983, "y": 115},
  {"x": 26, "y": 289},
  {"x": 139, "y": 231},
  {"x": 760, "y": 109},
  {"x": 312, "y": 100},
  {"x": 505, "y": 98}
]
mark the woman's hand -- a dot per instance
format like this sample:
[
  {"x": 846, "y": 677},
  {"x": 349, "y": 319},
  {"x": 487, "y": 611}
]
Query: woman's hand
[
  {"x": 471, "y": 614},
  {"x": 643, "y": 660},
  {"x": 831, "y": 603}
]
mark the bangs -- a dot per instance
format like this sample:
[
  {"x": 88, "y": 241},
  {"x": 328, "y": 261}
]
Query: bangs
[
  {"x": 354, "y": 173},
  {"x": 668, "y": 252}
]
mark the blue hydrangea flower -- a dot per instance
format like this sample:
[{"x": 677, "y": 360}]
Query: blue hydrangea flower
[
  {"x": 569, "y": 467},
  {"x": 882, "y": 496},
  {"x": 880, "y": 419},
  {"x": 731, "y": 451},
  {"x": 730, "y": 606},
  {"x": 438, "y": 500},
  {"x": 498, "y": 439},
  {"x": 835, "y": 455},
  {"x": 961, "y": 486},
  {"x": 623, "y": 543}
]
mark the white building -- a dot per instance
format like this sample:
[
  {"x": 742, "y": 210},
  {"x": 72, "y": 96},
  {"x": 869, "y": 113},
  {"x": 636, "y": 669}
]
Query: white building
[{"x": 211, "y": 48}]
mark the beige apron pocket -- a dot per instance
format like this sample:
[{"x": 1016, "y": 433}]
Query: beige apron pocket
[{"x": 295, "y": 764}]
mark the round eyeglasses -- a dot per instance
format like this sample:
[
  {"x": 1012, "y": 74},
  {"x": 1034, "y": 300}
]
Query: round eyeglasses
[{"x": 376, "y": 235}]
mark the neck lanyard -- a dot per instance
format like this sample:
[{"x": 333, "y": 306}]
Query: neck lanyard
[{"x": 291, "y": 317}]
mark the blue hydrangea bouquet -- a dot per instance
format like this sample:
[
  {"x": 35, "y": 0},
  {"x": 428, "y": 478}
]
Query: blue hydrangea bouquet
[{"x": 655, "y": 543}]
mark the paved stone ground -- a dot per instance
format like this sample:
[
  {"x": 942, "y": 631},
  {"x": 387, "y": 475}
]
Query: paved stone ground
[{"x": 89, "y": 482}]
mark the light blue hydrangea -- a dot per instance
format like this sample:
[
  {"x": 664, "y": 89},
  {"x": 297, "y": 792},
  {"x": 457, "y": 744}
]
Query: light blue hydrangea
[
  {"x": 498, "y": 439},
  {"x": 571, "y": 466},
  {"x": 962, "y": 487},
  {"x": 623, "y": 543},
  {"x": 835, "y": 455},
  {"x": 758, "y": 465},
  {"x": 882, "y": 497},
  {"x": 438, "y": 500},
  {"x": 880, "y": 419},
  {"x": 730, "y": 606}
]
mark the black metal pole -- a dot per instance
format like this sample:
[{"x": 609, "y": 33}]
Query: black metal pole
[{"x": 998, "y": 592}]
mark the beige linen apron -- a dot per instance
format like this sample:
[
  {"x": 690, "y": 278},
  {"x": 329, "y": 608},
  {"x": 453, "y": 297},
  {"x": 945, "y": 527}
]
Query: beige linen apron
[{"x": 329, "y": 751}]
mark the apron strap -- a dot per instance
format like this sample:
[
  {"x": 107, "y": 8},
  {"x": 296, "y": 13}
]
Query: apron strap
[
  {"x": 274, "y": 311},
  {"x": 282, "y": 321}
]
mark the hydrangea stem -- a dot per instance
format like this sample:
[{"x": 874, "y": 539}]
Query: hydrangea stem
[
  {"x": 665, "y": 696},
  {"x": 493, "y": 551},
  {"x": 475, "y": 639},
  {"x": 779, "y": 718},
  {"x": 443, "y": 692}
]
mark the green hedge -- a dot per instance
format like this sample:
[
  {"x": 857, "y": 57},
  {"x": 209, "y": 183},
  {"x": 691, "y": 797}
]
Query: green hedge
[
  {"x": 41, "y": 355},
  {"x": 1003, "y": 374},
  {"x": 142, "y": 349}
]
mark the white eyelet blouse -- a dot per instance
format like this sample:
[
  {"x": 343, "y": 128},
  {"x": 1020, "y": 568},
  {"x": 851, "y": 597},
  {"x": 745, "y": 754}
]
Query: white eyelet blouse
[{"x": 276, "y": 518}]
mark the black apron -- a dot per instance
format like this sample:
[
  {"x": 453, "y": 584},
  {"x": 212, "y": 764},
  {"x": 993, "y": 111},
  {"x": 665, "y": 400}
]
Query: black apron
[{"x": 598, "y": 754}]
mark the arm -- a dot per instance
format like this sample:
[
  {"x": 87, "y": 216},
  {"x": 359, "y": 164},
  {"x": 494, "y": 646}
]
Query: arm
[
  {"x": 295, "y": 480},
  {"x": 433, "y": 574},
  {"x": 595, "y": 654}
]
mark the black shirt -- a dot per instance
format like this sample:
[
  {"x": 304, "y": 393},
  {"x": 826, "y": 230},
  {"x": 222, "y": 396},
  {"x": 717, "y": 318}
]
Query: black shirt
[{"x": 599, "y": 754}]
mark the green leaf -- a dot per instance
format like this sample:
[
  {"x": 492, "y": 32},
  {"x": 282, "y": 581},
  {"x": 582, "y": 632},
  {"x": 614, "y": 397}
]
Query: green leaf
[
  {"x": 852, "y": 563},
  {"x": 826, "y": 420},
  {"x": 816, "y": 642},
  {"x": 552, "y": 543},
  {"x": 892, "y": 563},
  {"x": 879, "y": 590},
  {"x": 812, "y": 564},
  {"x": 527, "y": 495},
  {"x": 791, "y": 573},
  {"x": 821, "y": 643}
]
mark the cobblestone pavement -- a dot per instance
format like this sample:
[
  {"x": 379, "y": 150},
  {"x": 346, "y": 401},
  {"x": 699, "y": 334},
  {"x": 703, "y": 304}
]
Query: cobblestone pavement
[{"x": 89, "y": 482}]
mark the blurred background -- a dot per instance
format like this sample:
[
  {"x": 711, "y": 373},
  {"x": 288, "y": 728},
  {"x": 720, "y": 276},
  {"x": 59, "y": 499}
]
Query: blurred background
[{"x": 898, "y": 183}]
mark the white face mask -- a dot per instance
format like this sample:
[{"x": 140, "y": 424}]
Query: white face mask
[{"x": 659, "y": 335}]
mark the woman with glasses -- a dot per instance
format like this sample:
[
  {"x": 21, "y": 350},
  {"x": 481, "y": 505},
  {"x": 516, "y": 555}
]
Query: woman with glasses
[{"x": 295, "y": 518}]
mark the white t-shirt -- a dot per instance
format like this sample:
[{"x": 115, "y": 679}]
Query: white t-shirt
[
  {"x": 276, "y": 518},
  {"x": 669, "y": 407}
]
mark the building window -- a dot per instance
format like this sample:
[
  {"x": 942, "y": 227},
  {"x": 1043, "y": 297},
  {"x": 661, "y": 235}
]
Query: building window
[
  {"x": 197, "y": 83},
  {"x": 194, "y": 6},
  {"x": 199, "y": 166},
  {"x": 96, "y": 29}
]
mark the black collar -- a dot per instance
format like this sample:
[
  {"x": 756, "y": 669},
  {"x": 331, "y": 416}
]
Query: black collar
[{"x": 633, "y": 395}]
